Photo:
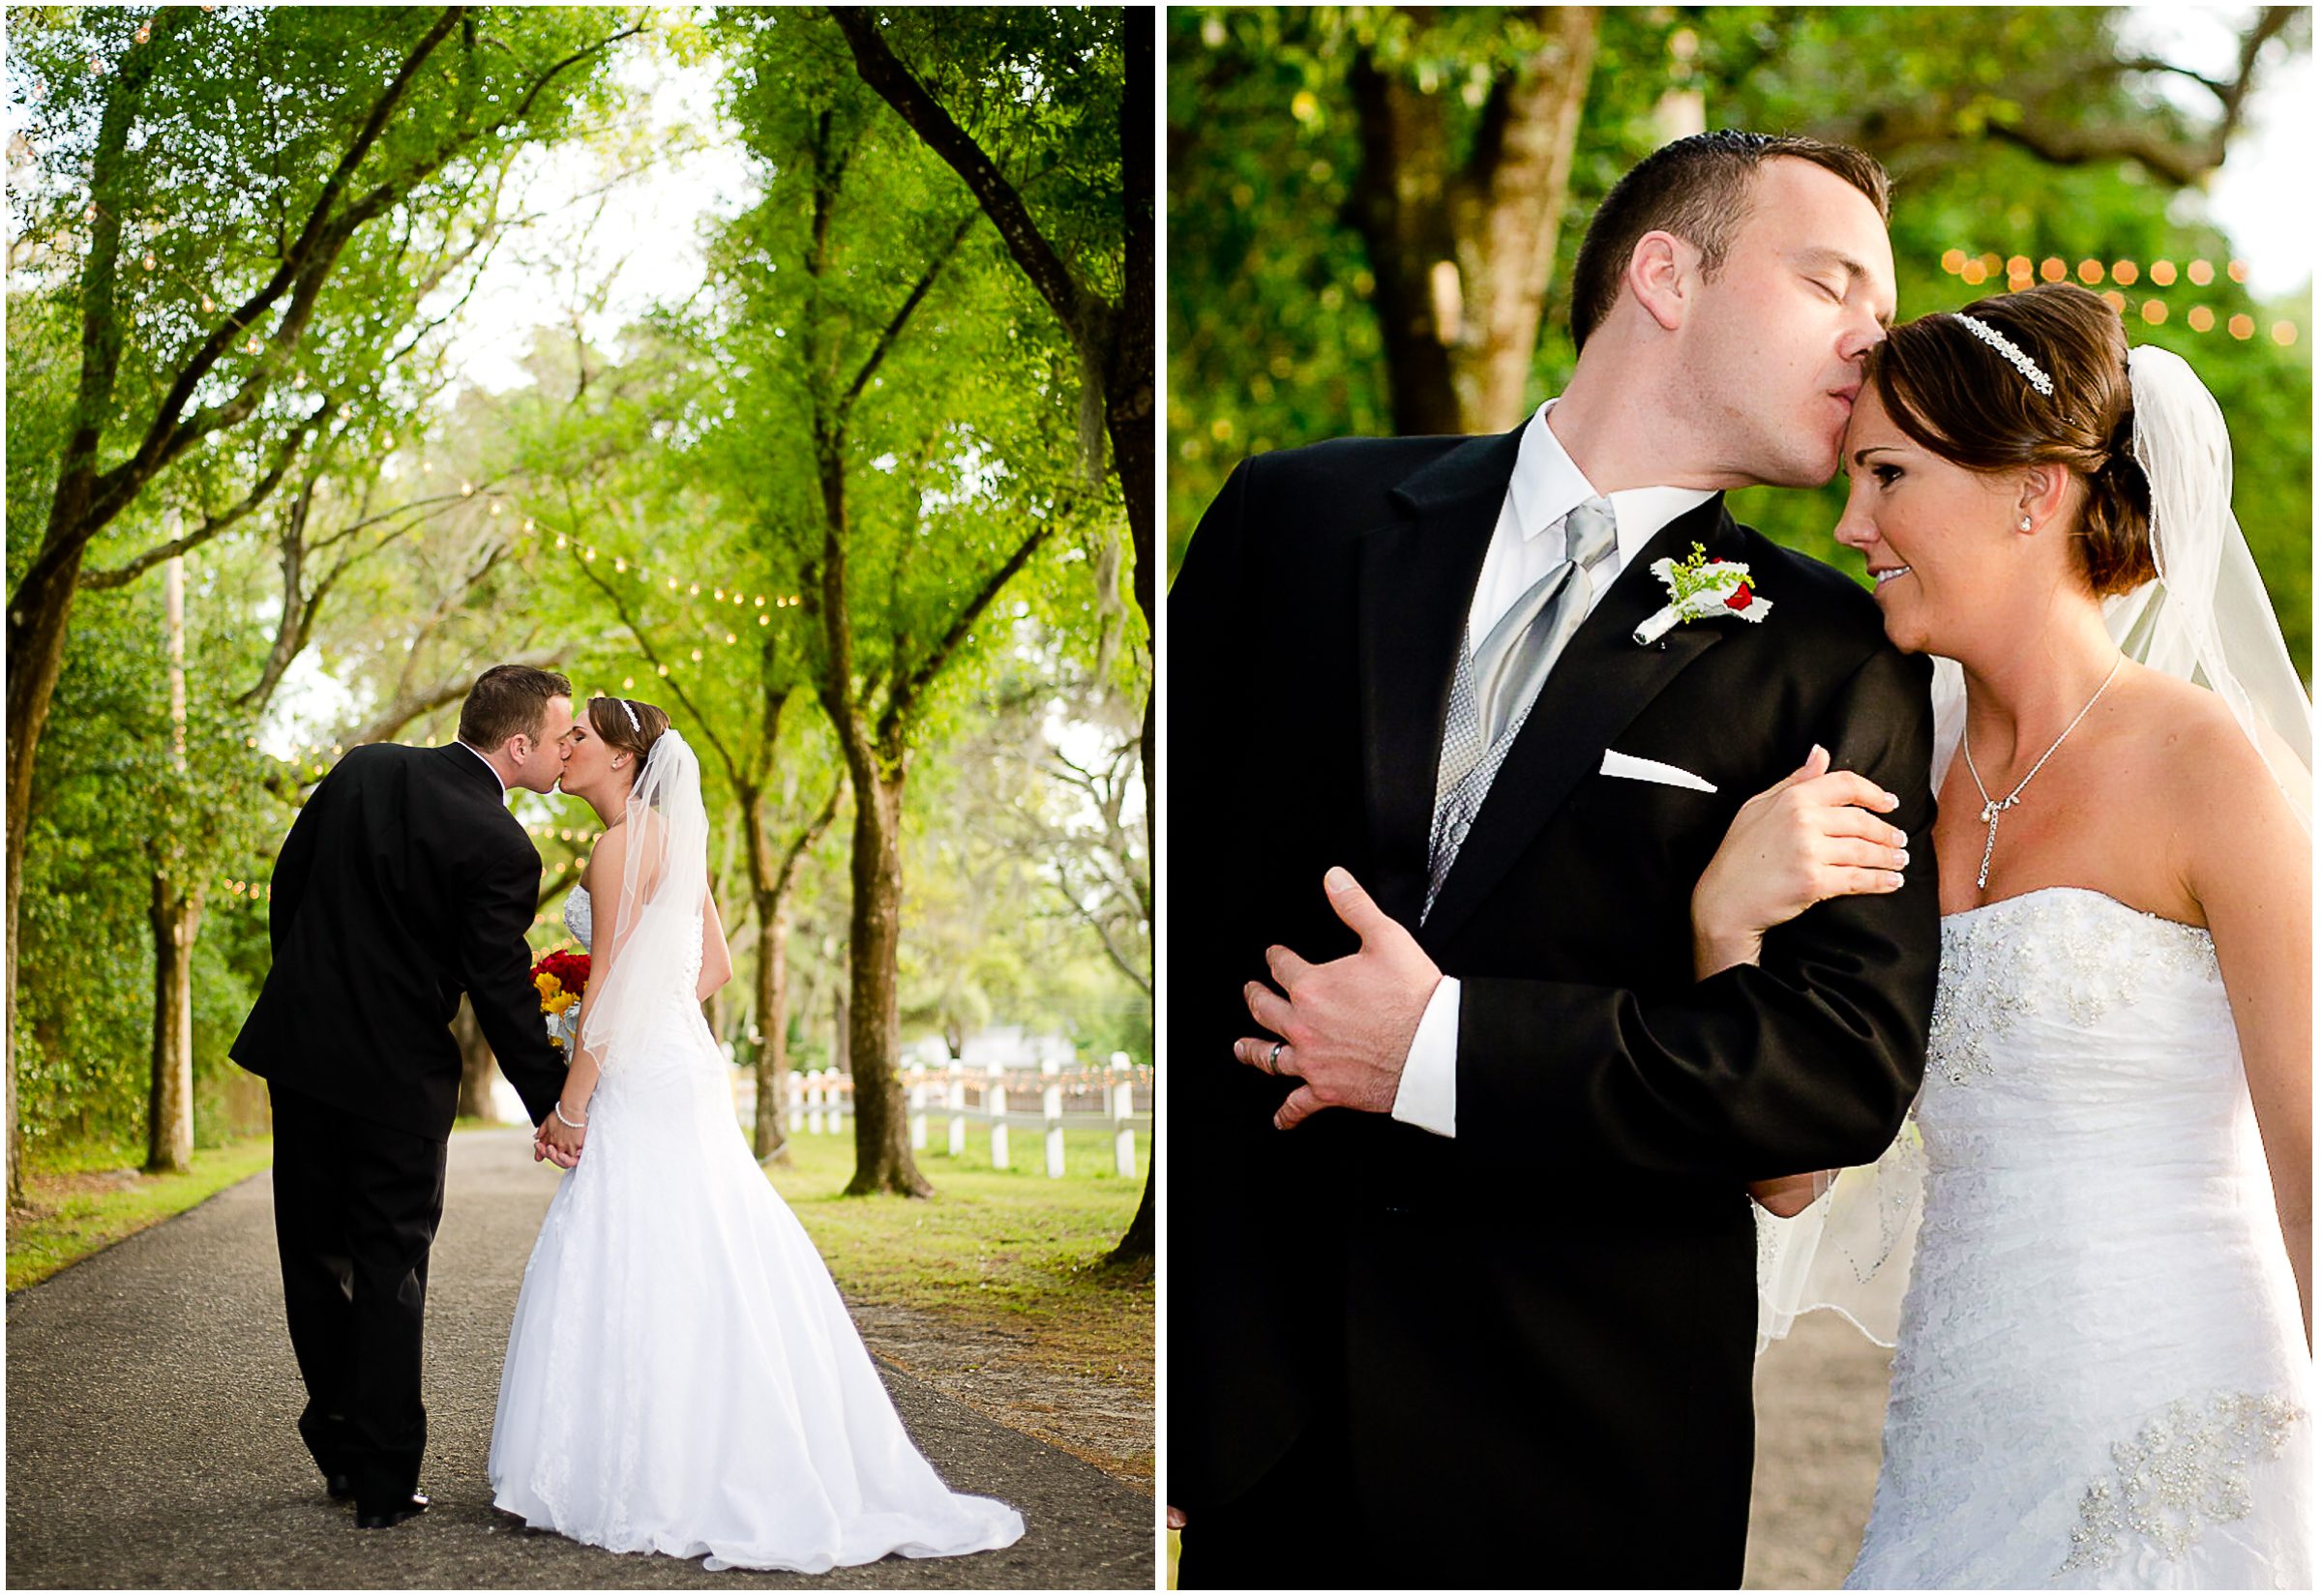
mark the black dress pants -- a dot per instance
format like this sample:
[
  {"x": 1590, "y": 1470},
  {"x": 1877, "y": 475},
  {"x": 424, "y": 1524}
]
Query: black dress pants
[
  {"x": 1298, "y": 1529},
  {"x": 355, "y": 1210}
]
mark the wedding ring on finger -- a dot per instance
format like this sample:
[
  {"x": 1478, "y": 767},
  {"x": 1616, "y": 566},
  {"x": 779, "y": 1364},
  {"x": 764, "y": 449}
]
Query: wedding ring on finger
[{"x": 1273, "y": 1059}]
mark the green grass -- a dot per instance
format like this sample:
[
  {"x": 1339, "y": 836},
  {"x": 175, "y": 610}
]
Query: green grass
[
  {"x": 84, "y": 1200},
  {"x": 1007, "y": 1248}
]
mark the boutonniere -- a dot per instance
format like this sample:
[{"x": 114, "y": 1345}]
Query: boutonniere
[{"x": 1701, "y": 588}]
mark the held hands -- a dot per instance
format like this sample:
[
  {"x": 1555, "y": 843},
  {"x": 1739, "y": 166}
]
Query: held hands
[
  {"x": 1345, "y": 1026},
  {"x": 558, "y": 1142},
  {"x": 1813, "y": 834}
]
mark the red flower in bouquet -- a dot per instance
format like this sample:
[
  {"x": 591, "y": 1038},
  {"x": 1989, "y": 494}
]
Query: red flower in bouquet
[{"x": 560, "y": 978}]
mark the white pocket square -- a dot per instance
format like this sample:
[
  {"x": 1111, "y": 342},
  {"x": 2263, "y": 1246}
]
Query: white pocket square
[{"x": 1634, "y": 769}]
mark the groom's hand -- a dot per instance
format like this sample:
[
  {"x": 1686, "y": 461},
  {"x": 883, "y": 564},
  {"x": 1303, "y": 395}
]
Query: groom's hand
[{"x": 1345, "y": 1026}]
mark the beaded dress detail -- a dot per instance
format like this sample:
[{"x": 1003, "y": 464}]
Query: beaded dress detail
[
  {"x": 682, "y": 1375},
  {"x": 2100, "y": 1381}
]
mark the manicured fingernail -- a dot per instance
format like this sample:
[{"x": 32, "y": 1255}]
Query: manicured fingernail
[
  {"x": 1902, "y": 857},
  {"x": 1893, "y": 881},
  {"x": 1337, "y": 880},
  {"x": 1892, "y": 799}
]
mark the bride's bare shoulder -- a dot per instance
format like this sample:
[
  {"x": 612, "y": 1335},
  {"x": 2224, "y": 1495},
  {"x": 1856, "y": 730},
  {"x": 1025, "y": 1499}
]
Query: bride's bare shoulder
[{"x": 2207, "y": 773}]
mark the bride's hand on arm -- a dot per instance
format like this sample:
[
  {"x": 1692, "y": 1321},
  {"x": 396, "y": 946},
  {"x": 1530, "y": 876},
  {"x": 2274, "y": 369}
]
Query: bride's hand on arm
[
  {"x": 2249, "y": 864},
  {"x": 1815, "y": 833}
]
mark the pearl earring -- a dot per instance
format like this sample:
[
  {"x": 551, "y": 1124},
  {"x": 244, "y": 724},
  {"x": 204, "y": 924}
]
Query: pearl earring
[{"x": 2023, "y": 523}]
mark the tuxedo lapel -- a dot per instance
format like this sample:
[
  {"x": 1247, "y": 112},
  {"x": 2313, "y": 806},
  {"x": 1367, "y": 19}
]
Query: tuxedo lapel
[
  {"x": 1601, "y": 681},
  {"x": 1416, "y": 580}
]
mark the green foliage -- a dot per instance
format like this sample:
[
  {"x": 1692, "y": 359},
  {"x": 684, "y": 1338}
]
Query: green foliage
[
  {"x": 445, "y": 528},
  {"x": 1272, "y": 343}
]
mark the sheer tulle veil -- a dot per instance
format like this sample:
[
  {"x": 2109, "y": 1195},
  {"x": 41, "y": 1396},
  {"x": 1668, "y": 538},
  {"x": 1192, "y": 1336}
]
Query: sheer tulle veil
[
  {"x": 2205, "y": 618},
  {"x": 656, "y": 928}
]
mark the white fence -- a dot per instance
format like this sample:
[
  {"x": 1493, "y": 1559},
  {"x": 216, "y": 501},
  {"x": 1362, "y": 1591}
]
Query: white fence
[{"x": 822, "y": 1101}]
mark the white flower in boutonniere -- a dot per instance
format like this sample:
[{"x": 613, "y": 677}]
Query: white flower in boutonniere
[{"x": 1699, "y": 589}]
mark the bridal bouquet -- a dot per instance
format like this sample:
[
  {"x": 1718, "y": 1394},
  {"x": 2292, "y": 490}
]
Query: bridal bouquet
[{"x": 560, "y": 978}]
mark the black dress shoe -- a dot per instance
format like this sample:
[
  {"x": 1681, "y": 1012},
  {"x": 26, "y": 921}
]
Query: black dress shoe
[
  {"x": 390, "y": 1518},
  {"x": 342, "y": 1486}
]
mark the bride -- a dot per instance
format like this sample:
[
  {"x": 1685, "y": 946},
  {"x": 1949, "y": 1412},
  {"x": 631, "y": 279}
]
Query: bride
[
  {"x": 2103, "y": 1354},
  {"x": 681, "y": 1375}
]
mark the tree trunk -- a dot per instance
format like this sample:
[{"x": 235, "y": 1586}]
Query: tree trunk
[
  {"x": 169, "y": 1109},
  {"x": 882, "y": 1128},
  {"x": 477, "y": 1066},
  {"x": 1462, "y": 258},
  {"x": 770, "y": 1135}
]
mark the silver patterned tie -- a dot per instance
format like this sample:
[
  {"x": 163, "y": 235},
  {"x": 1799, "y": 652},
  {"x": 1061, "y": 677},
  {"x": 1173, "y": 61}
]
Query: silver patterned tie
[{"x": 1493, "y": 690}]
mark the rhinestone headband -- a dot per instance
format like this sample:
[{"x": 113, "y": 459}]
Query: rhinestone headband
[
  {"x": 2015, "y": 356},
  {"x": 634, "y": 724}
]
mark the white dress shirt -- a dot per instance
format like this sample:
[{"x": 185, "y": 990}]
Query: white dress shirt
[
  {"x": 489, "y": 765},
  {"x": 1545, "y": 486}
]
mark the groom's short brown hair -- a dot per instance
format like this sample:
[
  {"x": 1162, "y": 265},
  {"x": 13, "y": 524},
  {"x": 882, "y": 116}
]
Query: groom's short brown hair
[
  {"x": 1699, "y": 189},
  {"x": 509, "y": 700}
]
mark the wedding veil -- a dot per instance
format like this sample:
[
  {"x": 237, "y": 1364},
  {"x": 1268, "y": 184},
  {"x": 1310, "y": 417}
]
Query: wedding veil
[
  {"x": 651, "y": 958},
  {"x": 2205, "y": 619}
]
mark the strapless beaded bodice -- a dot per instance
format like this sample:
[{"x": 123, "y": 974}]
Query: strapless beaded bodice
[{"x": 2101, "y": 1373}]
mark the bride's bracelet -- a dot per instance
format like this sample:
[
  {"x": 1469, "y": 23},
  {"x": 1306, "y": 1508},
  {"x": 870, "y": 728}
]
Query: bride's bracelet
[{"x": 557, "y": 1109}]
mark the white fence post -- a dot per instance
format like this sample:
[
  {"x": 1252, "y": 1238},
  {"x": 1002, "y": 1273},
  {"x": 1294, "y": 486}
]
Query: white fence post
[
  {"x": 813, "y": 1101},
  {"x": 996, "y": 1107},
  {"x": 1124, "y": 1135},
  {"x": 918, "y": 1107},
  {"x": 795, "y": 1097},
  {"x": 957, "y": 1094},
  {"x": 1052, "y": 1109},
  {"x": 841, "y": 1087}
]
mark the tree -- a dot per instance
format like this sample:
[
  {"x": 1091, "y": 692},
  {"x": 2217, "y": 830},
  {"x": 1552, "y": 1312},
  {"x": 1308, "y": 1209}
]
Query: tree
[
  {"x": 305, "y": 231},
  {"x": 981, "y": 65}
]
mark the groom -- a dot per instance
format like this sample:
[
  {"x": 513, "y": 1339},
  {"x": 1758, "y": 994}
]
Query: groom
[
  {"x": 1461, "y": 1271},
  {"x": 404, "y": 882}
]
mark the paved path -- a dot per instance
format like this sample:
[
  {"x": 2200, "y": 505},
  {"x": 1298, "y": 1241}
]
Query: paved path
[
  {"x": 1822, "y": 1392},
  {"x": 152, "y": 1406}
]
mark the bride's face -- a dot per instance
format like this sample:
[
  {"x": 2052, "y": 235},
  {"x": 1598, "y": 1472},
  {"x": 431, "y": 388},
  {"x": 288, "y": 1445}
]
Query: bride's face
[
  {"x": 588, "y": 767},
  {"x": 1940, "y": 539}
]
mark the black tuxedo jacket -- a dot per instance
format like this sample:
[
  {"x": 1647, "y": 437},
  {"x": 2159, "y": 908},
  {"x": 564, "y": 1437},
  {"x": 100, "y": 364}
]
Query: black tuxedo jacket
[
  {"x": 404, "y": 882},
  {"x": 1543, "y": 1328}
]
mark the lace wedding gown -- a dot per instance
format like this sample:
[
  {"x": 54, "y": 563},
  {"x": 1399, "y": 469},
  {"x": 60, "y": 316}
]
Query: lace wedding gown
[
  {"x": 681, "y": 1375},
  {"x": 2100, "y": 1381}
]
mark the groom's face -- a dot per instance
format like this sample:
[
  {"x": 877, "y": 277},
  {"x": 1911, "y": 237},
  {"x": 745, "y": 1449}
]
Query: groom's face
[
  {"x": 1775, "y": 345},
  {"x": 543, "y": 760}
]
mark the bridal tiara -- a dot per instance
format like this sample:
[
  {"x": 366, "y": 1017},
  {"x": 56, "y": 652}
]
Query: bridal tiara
[{"x": 2014, "y": 356}]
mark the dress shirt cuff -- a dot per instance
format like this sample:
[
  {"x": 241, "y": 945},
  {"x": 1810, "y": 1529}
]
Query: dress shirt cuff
[{"x": 1428, "y": 1095}]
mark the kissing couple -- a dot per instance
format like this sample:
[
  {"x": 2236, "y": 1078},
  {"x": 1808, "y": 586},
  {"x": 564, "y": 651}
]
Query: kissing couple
[
  {"x": 681, "y": 1376},
  {"x": 1567, "y": 875}
]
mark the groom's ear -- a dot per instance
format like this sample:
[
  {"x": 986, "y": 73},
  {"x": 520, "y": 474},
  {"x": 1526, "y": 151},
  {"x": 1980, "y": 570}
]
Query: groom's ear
[{"x": 1660, "y": 272}]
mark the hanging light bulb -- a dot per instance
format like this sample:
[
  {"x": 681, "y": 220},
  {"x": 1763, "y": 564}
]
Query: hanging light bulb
[
  {"x": 144, "y": 32},
  {"x": 147, "y": 262},
  {"x": 208, "y": 305}
]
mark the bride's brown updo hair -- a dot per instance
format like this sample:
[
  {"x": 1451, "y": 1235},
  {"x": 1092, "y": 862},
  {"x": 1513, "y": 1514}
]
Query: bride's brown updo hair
[
  {"x": 1960, "y": 398},
  {"x": 609, "y": 719}
]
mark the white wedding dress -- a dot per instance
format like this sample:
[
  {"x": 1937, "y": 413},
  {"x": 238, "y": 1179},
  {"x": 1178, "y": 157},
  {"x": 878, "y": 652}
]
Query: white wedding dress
[
  {"x": 2101, "y": 1379},
  {"x": 681, "y": 1375}
]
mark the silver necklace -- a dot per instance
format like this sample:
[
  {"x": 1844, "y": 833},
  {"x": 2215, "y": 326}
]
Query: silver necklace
[{"x": 1993, "y": 808}]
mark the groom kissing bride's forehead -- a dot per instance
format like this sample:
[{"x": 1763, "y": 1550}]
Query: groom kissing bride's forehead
[{"x": 1468, "y": 719}]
